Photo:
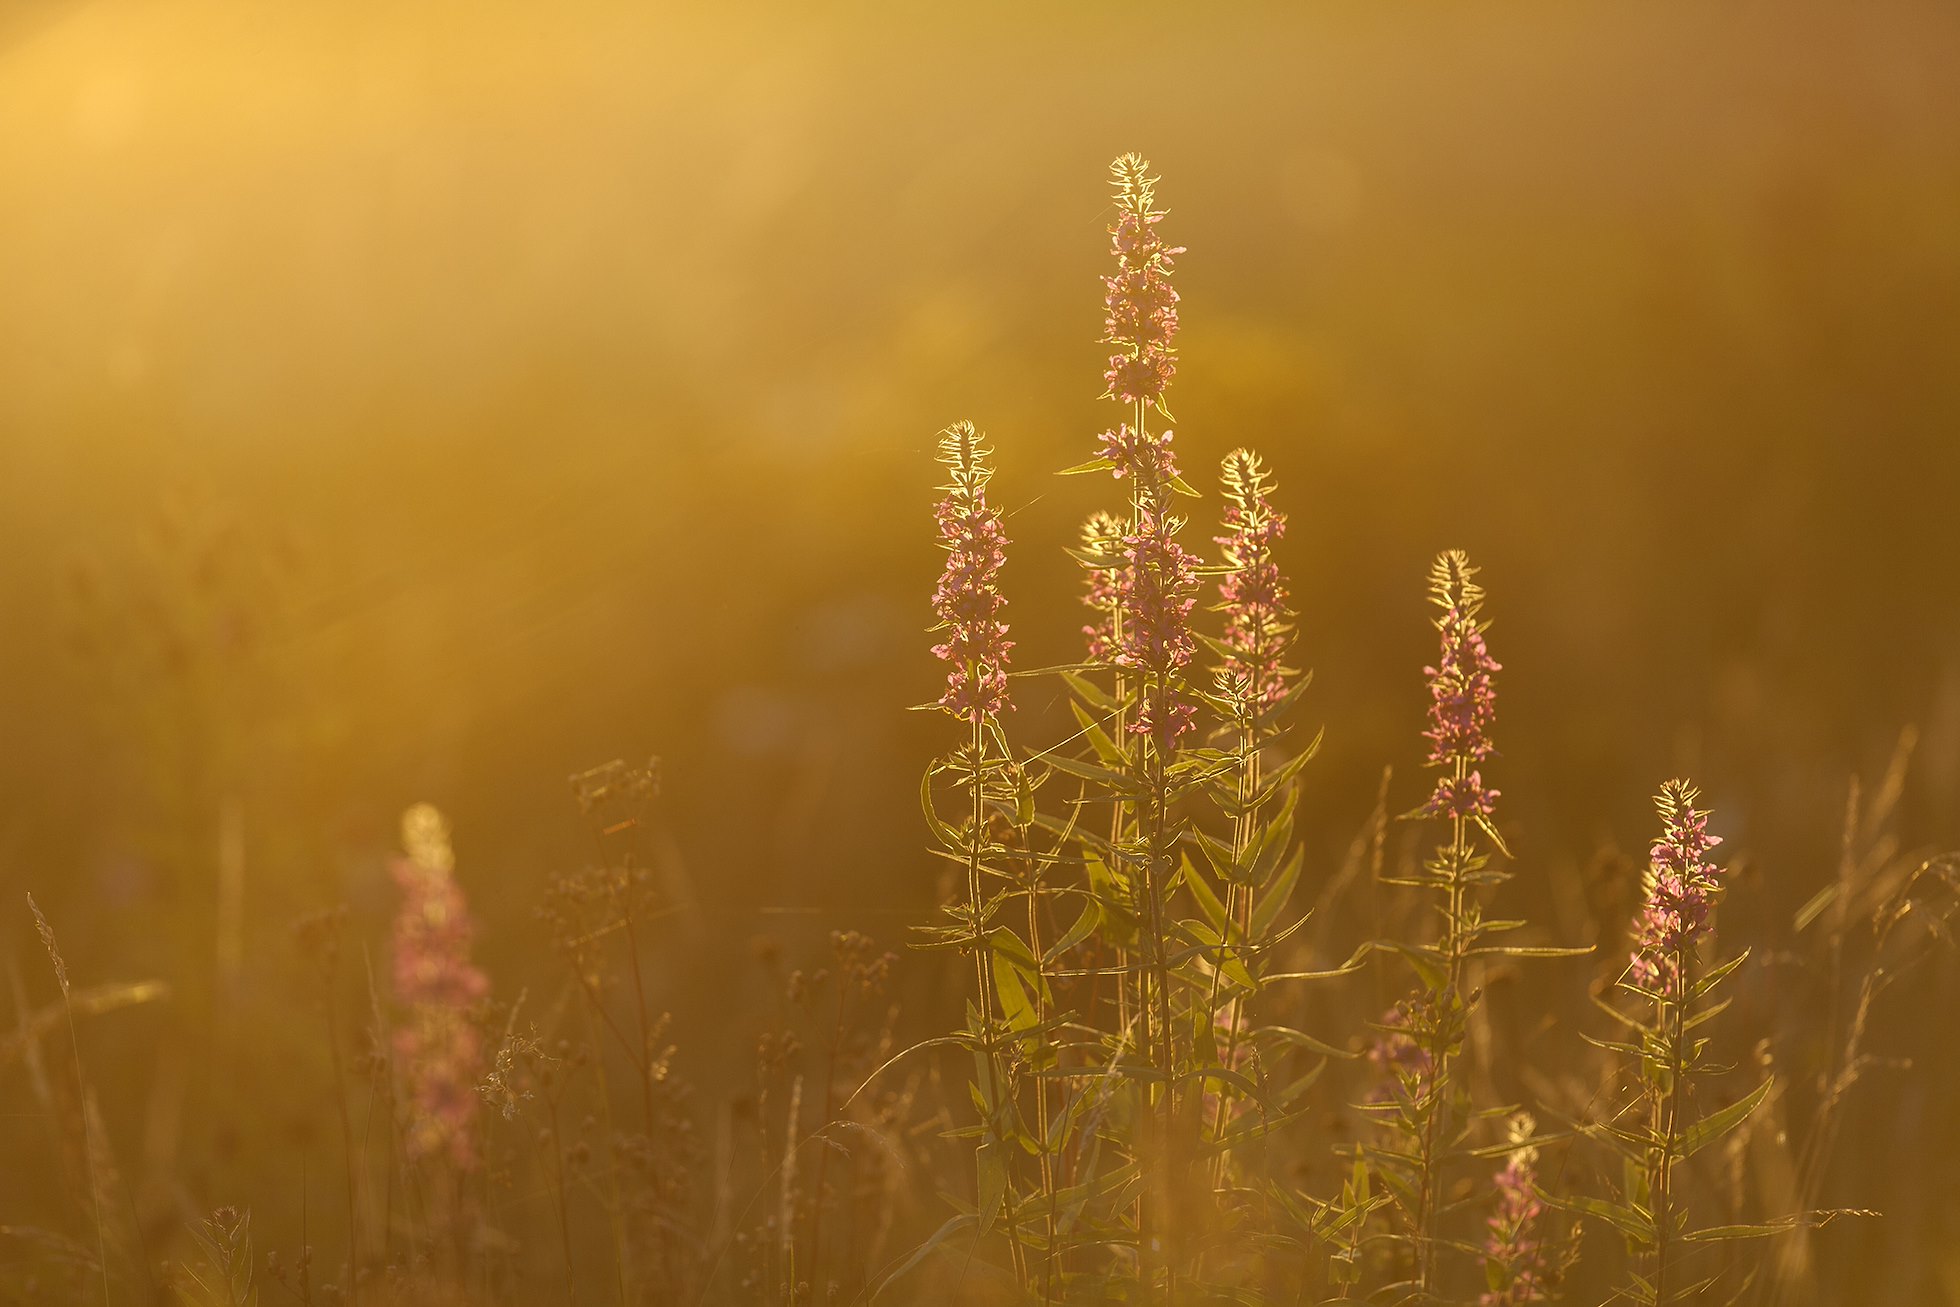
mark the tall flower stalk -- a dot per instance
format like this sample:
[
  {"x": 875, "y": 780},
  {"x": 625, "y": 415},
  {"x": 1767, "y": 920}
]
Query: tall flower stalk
[
  {"x": 438, "y": 1045},
  {"x": 1156, "y": 587},
  {"x": 1427, "y": 1109},
  {"x": 1682, "y": 886},
  {"x": 1252, "y": 685},
  {"x": 1671, "y": 981},
  {"x": 975, "y": 647}
]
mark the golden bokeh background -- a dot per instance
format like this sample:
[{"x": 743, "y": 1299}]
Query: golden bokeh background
[{"x": 424, "y": 402}]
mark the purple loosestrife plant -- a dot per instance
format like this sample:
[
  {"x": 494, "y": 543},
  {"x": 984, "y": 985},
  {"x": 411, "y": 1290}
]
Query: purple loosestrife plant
[
  {"x": 1671, "y": 983},
  {"x": 1102, "y": 589},
  {"x": 1430, "y": 1115},
  {"x": 1462, "y": 696},
  {"x": 1253, "y": 686},
  {"x": 1252, "y": 592},
  {"x": 1157, "y": 643},
  {"x": 1010, "y": 989},
  {"x": 967, "y": 600},
  {"x": 1516, "y": 1269},
  {"x": 438, "y": 1047},
  {"x": 1140, "y": 318},
  {"x": 1144, "y": 584},
  {"x": 1682, "y": 886},
  {"x": 1675, "y": 923}
]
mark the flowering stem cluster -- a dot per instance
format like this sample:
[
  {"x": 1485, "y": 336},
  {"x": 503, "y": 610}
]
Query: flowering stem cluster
[
  {"x": 1428, "y": 1112},
  {"x": 1665, "y": 977},
  {"x": 1155, "y": 1068}
]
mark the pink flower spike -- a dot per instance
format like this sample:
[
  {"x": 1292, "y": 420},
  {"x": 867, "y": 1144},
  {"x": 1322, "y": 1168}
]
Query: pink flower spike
[
  {"x": 967, "y": 600},
  {"x": 439, "y": 1047}
]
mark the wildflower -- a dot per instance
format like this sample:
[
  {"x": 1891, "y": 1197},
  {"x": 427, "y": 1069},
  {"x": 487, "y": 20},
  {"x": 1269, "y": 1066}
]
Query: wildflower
[
  {"x": 1143, "y": 455},
  {"x": 1140, "y": 304},
  {"x": 1462, "y": 699},
  {"x": 439, "y": 1047},
  {"x": 968, "y": 601},
  {"x": 1513, "y": 1250},
  {"x": 1159, "y": 591},
  {"x": 1461, "y": 796},
  {"x": 1681, "y": 887},
  {"x": 1252, "y": 593},
  {"x": 1102, "y": 537}
]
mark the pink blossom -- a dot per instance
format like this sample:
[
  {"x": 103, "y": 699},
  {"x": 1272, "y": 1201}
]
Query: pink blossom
[
  {"x": 1140, "y": 304},
  {"x": 1462, "y": 696},
  {"x": 967, "y": 600},
  {"x": 1159, "y": 590},
  {"x": 1144, "y": 455},
  {"x": 1681, "y": 887},
  {"x": 1252, "y": 594},
  {"x": 1514, "y": 1248},
  {"x": 1461, "y": 796},
  {"x": 1103, "y": 583}
]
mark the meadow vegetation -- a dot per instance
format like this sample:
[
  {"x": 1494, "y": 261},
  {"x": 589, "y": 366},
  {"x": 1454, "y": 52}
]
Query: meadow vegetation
[{"x": 1193, "y": 1065}]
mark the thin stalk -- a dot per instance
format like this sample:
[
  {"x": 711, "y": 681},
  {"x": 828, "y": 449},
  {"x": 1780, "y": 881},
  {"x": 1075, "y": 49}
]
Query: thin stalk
[
  {"x": 1238, "y": 900},
  {"x": 81, "y": 1094},
  {"x": 982, "y": 975},
  {"x": 1452, "y": 947},
  {"x": 1042, "y": 1141},
  {"x": 558, "y": 1193},
  {"x": 346, "y": 1142},
  {"x": 823, "y": 1154},
  {"x": 88, "y": 1146},
  {"x": 1667, "y": 1106}
]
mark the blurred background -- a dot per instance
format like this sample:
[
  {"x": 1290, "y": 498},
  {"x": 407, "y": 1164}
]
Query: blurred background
[{"x": 424, "y": 403}]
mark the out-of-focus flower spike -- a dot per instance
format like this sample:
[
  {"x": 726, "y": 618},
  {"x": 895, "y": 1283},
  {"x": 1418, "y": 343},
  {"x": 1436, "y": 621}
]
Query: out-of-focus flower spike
[{"x": 439, "y": 1047}]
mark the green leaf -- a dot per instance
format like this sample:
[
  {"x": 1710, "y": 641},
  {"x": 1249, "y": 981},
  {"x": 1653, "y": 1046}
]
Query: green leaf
[
  {"x": 1084, "y": 926},
  {"x": 1630, "y": 1221},
  {"x": 1208, "y": 902},
  {"x": 991, "y": 1159},
  {"x": 940, "y": 830},
  {"x": 1717, "y": 975},
  {"x": 1089, "y": 772},
  {"x": 1277, "y": 892},
  {"x": 1303, "y": 1040},
  {"x": 1712, "y": 1127},
  {"x": 1089, "y": 692},
  {"x": 1092, "y": 731},
  {"x": 1531, "y": 951},
  {"x": 1093, "y": 465},
  {"x": 919, "y": 1254}
]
